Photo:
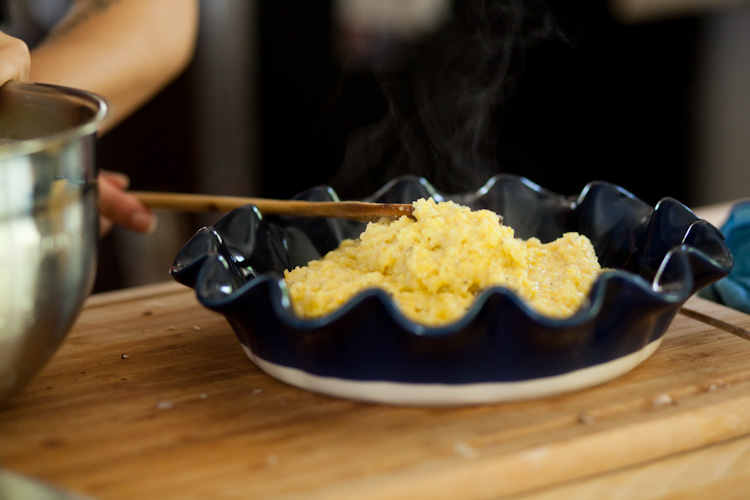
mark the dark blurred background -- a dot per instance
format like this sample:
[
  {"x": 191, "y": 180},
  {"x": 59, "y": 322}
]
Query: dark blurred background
[{"x": 284, "y": 95}]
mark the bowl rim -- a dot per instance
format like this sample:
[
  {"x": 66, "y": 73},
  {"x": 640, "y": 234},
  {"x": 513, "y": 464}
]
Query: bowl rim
[
  {"x": 35, "y": 145},
  {"x": 586, "y": 312}
]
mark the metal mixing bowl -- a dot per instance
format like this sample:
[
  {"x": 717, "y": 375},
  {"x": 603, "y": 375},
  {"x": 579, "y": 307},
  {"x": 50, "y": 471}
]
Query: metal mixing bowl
[{"x": 48, "y": 221}]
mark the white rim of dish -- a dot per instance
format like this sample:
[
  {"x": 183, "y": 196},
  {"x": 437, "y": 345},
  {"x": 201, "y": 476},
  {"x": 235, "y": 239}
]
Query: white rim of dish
[{"x": 418, "y": 394}]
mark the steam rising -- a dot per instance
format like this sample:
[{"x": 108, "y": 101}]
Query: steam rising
[{"x": 442, "y": 110}]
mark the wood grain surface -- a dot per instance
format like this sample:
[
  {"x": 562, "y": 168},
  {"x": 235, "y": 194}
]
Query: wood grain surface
[
  {"x": 151, "y": 396},
  {"x": 353, "y": 210}
]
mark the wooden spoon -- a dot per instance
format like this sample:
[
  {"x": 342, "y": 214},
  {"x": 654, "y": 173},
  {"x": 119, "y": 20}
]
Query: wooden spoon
[{"x": 351, "y": 210}]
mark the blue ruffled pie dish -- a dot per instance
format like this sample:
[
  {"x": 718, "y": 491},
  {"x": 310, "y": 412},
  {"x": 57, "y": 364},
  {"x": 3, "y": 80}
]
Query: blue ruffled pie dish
[{"x": 501, "y": 350}]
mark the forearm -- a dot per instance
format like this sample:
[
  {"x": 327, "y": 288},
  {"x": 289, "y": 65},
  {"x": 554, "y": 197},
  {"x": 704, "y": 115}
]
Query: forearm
[{"x": 124, "y": 50}]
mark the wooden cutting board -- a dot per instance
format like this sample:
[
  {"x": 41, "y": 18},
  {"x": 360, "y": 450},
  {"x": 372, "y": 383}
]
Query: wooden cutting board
[{"x": 151, "y": 396}]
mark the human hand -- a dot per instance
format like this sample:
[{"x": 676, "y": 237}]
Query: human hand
[
  {"x": 116, "y": 206},
  {"x": 15, "y": 61}
]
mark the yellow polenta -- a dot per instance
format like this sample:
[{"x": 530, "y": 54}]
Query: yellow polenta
[{"x": 436, "y": 265}]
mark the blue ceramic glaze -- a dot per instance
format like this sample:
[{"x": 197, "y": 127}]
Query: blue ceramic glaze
[{"x": 658, "y": 257}]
